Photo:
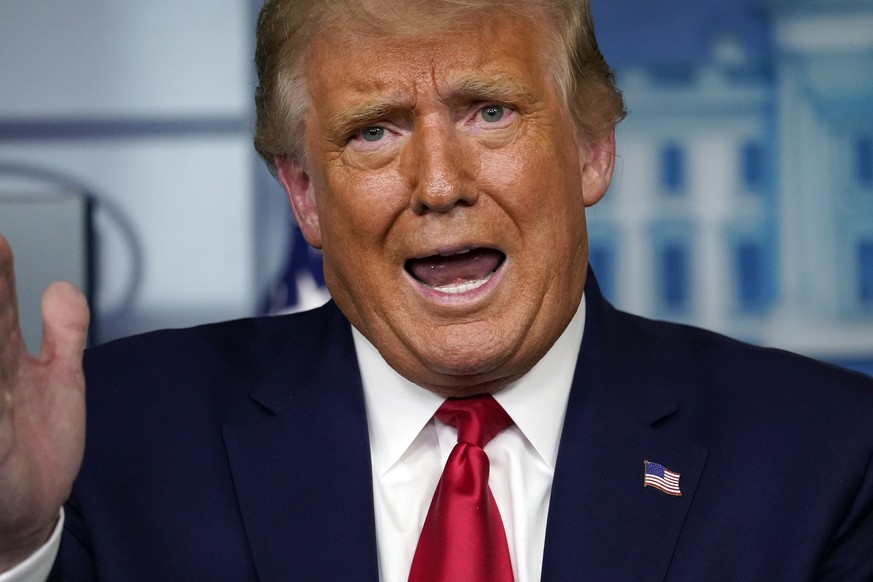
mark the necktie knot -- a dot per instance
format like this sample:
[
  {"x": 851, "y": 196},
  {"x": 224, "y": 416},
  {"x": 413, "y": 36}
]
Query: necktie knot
[{"x": 477, "y": 418}]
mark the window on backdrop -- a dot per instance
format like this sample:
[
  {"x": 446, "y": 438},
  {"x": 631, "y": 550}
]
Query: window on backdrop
[
  {"x": 672, "y": 169},
  {"x": 675, "y": 276},
  {"x": 864, "y": 161},
  {"x": 865, "y": 273},
  {"x": 752, "y": 166}
]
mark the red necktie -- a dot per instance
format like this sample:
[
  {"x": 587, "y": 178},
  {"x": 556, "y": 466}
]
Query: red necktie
[{"x": 463, "y": 539}]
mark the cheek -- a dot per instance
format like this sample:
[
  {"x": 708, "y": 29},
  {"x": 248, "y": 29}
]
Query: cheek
[
  {"x": 361, "y": 206},
  {"x": 534, "y": 183}
]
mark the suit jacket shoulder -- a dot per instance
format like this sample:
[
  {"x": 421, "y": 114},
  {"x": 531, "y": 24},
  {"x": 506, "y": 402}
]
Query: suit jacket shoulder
[
  {"x": 231, "y": 451},
  {"x": 773, "y": 452}
]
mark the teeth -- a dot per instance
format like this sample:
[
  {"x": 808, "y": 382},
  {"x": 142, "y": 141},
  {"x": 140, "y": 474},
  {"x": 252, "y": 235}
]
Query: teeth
[
  {"x": 458, "y": 288},
  {"x": 463, "y": 252}
]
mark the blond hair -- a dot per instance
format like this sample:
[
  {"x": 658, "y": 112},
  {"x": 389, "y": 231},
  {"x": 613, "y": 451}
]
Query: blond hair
[{"x": 285, "y": 28}]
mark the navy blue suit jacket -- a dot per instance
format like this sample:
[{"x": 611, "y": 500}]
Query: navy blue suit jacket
[{"x": 239, "y": 451}]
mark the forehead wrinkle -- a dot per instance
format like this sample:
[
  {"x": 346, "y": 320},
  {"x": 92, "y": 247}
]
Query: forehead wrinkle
[{"x": 479, "y": 87}]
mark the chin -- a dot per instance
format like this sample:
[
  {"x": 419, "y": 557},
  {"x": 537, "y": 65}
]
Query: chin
[
  {"x": 458, "y": 383},
  {"x": 471, "y": 363}
]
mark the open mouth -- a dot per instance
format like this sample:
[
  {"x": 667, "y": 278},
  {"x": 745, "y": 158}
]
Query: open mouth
[{"x": 457, "y": 272}]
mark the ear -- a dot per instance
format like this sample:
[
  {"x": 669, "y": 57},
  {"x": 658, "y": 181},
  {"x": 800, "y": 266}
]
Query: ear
[
  {"x": 298, "y": 188},
  {"x": 597, "y": 160}
]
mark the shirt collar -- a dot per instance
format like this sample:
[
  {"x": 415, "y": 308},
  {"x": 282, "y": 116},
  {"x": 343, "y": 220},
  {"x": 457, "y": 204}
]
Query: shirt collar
[{"x": 397, "y": 409}]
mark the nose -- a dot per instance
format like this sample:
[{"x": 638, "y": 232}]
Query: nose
[{"x": 438, "y": 169}]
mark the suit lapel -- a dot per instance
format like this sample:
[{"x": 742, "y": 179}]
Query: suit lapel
[
  {"x": 302, "y": 473},
  {"x": 603, "y": 524}
]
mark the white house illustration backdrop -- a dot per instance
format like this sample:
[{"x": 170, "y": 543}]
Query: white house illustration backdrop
[{"x": 743, "y": 194}]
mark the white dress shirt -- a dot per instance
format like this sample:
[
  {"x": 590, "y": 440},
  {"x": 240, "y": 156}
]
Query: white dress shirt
[{"x": 409, "y": 449}]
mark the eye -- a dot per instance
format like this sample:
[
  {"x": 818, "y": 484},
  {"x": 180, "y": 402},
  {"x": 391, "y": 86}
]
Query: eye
[
  {"x": 492, "y": 113},
  {"x": 373, "y": 138},
  {"x": 373, "y": 133}
]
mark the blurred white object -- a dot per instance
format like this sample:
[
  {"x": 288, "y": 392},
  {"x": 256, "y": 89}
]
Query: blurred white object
[{"x": 49, "y": 234}]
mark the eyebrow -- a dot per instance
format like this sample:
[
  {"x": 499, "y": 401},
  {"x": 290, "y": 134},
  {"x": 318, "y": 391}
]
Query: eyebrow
[
  {"x": 350, "y": 119},
  {"x": 488, "y": 88}
]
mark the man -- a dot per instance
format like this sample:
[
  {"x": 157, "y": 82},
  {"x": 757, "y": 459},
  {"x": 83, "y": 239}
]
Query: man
[{"x": 442, "y": 155}]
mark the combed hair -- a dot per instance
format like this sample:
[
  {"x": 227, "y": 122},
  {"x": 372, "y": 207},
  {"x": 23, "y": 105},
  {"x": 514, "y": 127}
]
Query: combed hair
[{"x": 285, "y": 28}]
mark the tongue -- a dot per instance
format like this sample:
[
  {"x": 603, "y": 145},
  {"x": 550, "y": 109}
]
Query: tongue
[{"x": 439, "y": 271}]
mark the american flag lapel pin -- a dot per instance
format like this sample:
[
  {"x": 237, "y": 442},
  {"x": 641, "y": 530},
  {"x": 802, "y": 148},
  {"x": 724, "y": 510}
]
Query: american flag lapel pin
[{"x": 661, "y": 478}]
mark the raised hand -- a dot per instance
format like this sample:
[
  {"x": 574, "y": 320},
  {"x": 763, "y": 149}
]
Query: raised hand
[{"x": 42, "y": 414}]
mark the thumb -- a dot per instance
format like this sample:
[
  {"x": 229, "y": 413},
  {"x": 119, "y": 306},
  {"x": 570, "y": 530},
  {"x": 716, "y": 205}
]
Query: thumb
[{"x": 65, "y": 318}]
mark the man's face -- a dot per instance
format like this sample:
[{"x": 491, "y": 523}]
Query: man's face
[{"x": 448, "y": 192}]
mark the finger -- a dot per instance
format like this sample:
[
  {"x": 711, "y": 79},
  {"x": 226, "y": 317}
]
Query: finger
[
  {"x": 65, "y": 318},
  {"x": 8, "y": 301}
]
